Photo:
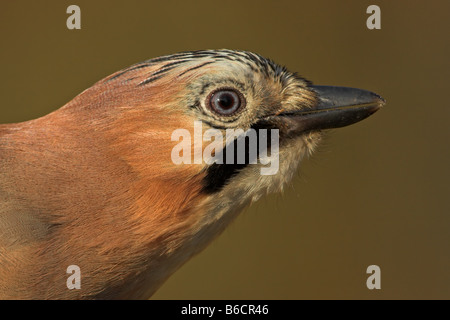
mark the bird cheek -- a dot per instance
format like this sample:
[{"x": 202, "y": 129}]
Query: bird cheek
[{"x": 193, "y": 142}]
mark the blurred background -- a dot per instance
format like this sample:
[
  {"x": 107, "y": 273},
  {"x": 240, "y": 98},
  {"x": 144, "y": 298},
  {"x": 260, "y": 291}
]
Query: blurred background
[{"x": 375, "y": 193}]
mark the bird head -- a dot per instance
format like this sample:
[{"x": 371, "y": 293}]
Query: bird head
[
  {"x": 156, "y": 211},
  {"x": 144, "y": 105}
]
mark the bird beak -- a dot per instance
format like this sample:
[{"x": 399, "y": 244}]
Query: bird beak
[{"x": 337, "y": 107}]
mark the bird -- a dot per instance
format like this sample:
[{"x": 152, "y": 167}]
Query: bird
[{"x": 93, "y": 184}]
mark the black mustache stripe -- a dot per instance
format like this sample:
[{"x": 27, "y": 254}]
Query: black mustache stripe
[{"x": 218, "y": 175}]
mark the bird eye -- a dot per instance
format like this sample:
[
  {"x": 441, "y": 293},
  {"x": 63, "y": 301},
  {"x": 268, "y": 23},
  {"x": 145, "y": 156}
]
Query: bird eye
[{"x": 225, "y": 102}]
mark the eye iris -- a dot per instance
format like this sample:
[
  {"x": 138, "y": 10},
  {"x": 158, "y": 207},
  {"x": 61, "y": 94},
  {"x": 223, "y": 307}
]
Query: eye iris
[{"x": 225, "y": 102}]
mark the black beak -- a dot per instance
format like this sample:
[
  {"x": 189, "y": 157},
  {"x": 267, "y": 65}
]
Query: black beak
[{"x": 337, "y": 107}]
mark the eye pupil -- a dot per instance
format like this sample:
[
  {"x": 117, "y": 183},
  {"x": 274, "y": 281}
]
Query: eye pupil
[{"x": 225, "y": 102}]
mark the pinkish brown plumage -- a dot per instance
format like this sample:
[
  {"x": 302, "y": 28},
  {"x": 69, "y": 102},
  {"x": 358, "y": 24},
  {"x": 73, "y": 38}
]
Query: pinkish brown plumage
[{"x": 92, "y": 184}]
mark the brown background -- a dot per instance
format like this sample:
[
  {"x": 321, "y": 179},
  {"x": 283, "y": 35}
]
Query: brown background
[{"x": 376, "y": 192}]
